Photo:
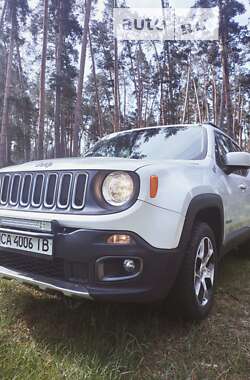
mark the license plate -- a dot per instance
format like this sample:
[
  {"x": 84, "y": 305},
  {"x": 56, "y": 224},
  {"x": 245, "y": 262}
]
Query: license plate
[{"x": 26, "y": 243}]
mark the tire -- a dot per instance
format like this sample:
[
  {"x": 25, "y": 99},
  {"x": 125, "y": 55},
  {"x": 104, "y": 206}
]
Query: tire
[{"x": 196, "y": 281}]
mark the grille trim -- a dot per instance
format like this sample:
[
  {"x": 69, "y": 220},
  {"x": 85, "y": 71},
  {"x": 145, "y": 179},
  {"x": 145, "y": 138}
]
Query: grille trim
[{"x": 75, "y": 196}]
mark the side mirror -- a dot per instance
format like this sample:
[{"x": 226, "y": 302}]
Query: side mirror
[{"x": 236, "y": 161}]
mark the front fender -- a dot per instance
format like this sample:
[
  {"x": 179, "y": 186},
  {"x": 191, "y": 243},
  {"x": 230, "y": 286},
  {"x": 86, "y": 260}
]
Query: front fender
[{"x": 198, "y": 203}]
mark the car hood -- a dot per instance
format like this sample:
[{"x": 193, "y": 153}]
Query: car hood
[{"x": 94, "y": 163}]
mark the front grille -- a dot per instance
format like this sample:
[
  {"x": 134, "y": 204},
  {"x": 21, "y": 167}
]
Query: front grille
[
  {"x": 57, "y": 268},
  {"x": 50, "y": 191}
]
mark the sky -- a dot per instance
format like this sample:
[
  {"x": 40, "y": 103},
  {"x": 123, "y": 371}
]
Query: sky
[
  {"x": 244, "y": 19},
  {"x": 173, "y": 3}
]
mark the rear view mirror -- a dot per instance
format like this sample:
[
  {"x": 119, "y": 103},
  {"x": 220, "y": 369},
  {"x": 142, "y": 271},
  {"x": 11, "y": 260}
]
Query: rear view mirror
[{"x": 237, "y": 160}]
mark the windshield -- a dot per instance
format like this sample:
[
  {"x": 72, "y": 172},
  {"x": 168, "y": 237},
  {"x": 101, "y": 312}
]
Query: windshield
[{"x": 178, "y": 143}]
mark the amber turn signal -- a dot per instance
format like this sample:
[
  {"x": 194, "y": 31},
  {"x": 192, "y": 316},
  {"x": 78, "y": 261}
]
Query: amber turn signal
[
  {"x": 120, "y": 239},
  {"x": 153, "y": 186}
]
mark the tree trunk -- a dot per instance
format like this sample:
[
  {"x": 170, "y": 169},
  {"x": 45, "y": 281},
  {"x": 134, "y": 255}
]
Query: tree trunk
[
  {"x": 227, "y": 89},
  {"x": 20, "y": 69},
  {"x": 124, "y": 100},
  {"x": 226, "y": 68},
  {"x": 169, "y": 111},
  {"x": 77, "y": 122},
  {"x": 3, "y": 14},
  {"x": 7, "y": 90},
  {"x": 222, "y": 107},
  {"x": 59, "y": 50},
  {"x": 63, "y": 135},
  {"x": 42, "y": 84},
  {"x": 140, "y": 88},
  {"x": 236, "y": 119},
  {"x": 146, "y": 109},
  {"x": 205, "y": 106},
  {"x": 98, "y": 104},
  {"x": 160, "y": 71},
  {"x": 240, "y": 121},
  {"x": 133, "y": 74},
  {"x": 186, "y": 96},
  {"x": 170, "y": 76},
  {"x": 197, "y": 101},
  {"x": 215, "y": 106},
  {"x": 26, "y": 128},
  {"x": 152, "y": 105},
  {"x": 116, "y": 126}
]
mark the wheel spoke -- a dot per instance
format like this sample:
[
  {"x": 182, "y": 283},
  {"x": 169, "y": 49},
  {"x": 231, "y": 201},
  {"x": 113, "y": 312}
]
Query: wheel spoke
[
  {"x": 205, "y": 290},
  {"x": 209, "y": 274},
  {"x": 198, "y": 287},
  {"x": 209, "y": 254},
  {"x": 201, "y": 249}
]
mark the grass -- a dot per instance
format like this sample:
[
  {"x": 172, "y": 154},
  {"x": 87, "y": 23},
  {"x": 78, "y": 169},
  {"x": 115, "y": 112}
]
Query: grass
[{"x": 40, "y": 338}]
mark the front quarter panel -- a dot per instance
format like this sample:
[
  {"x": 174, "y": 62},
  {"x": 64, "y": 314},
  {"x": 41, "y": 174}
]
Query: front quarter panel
[{"x": 179, "y": 183}]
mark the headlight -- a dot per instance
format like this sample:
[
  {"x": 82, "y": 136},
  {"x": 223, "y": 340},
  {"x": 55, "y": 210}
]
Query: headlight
[{"x": 118, "y": 188}]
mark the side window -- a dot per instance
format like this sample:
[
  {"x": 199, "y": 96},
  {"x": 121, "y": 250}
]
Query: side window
[
  {"x": 236, "y": 148},
  {"x": 224, "y": 145}
]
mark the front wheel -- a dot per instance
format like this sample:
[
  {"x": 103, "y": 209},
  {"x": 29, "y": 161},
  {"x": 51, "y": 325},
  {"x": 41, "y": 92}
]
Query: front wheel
[{"x": 197, "y": 278}]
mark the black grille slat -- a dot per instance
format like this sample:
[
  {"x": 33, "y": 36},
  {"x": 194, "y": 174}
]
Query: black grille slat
[
  {"x": 15, "y": 189},
  {"x": 37, "y": 190},
  {"x": 43, "y": 191},
  {"x": 26, "y": 187},
  {"x": 64, "y": 192},
  {"x": 5, "y": 188},
  {"x": 51, "y": 190},
  {"x": 79, "y": 193}
]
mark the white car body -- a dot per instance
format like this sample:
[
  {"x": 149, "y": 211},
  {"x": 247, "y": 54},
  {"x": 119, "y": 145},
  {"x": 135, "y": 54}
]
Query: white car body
[{"x": 159, "y": 221}]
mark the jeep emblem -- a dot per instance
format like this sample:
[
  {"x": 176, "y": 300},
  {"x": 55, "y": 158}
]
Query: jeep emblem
[{"x": 43, "y": 165}]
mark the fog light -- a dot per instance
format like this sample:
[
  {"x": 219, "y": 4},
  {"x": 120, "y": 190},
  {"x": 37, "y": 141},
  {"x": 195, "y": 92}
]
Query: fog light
[
  {"x": 120, "y": 239},
  {"x": 129, "y": 265}
]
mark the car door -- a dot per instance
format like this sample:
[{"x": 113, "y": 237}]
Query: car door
[
  {"x": 245, "y": 174},
  {"x": 235, "y": 185}
]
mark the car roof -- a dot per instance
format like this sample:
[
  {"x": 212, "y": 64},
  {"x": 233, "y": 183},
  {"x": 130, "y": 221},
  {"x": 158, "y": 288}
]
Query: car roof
[{"x": 154, "y": 127}]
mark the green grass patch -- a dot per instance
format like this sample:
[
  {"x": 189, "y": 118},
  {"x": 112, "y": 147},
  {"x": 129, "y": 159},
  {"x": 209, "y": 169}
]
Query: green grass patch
[{"x": 40, "y": 338}]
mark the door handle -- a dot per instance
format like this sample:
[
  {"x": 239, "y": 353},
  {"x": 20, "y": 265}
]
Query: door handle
[{"x": 243, "y": 187}]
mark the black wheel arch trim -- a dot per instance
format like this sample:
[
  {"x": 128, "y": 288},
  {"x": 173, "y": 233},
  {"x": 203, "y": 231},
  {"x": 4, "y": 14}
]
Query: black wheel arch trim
[{"x": 200, "y": 203}]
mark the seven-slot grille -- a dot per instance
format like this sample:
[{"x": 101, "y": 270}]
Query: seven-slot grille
[{"x": 51, "y": 190}]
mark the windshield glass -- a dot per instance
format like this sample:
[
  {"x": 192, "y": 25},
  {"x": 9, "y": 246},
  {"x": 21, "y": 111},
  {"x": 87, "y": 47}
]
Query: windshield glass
[{"x": 179, "y": 143}]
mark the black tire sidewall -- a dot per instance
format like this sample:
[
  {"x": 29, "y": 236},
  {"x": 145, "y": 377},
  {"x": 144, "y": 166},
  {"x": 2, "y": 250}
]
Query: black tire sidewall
[{"x": 190, "y": 306}]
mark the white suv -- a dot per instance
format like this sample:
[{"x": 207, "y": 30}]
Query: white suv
[{"x": 145, "y": 212}]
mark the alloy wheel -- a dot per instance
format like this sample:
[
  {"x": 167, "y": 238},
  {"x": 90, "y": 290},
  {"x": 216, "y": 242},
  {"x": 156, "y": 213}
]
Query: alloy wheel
[{"x": 204, "y": 271}]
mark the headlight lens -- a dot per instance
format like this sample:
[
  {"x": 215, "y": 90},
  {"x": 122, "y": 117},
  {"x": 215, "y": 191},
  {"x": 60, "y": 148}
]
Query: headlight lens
[{"x": 118, "y": 188}]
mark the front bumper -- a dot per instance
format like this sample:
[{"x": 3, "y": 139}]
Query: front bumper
[{"x": 73, "y": 270}]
